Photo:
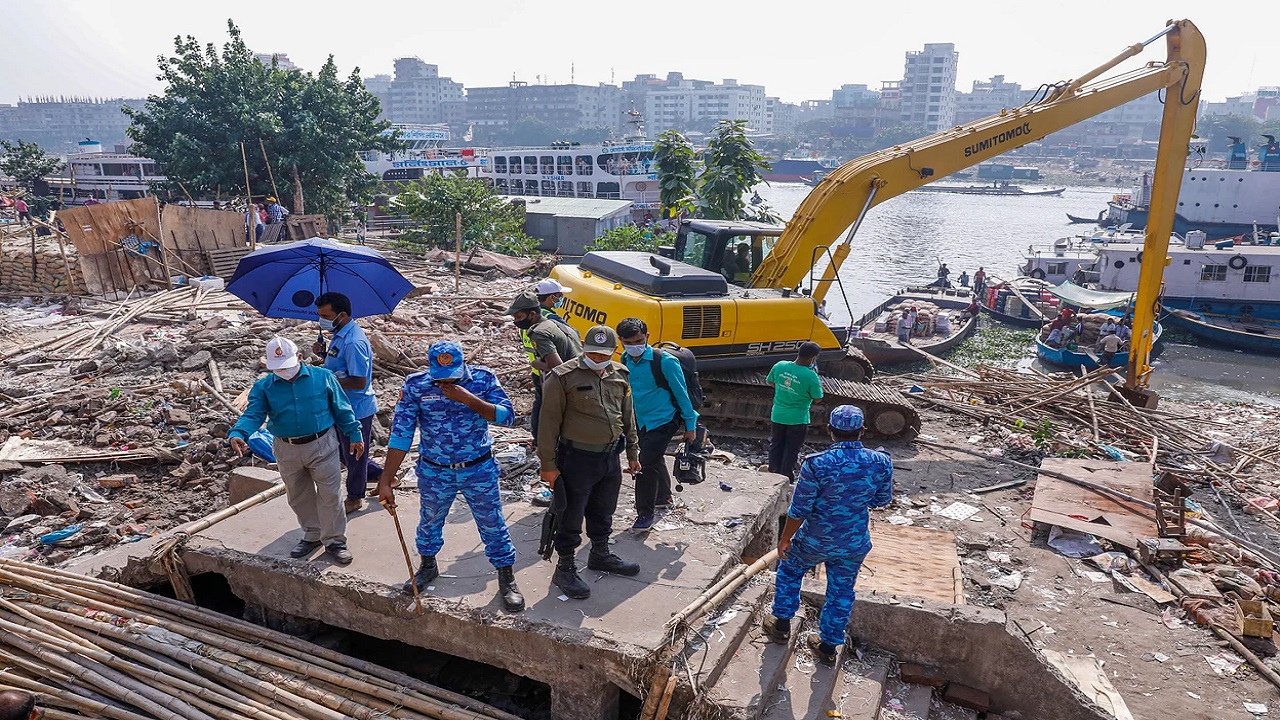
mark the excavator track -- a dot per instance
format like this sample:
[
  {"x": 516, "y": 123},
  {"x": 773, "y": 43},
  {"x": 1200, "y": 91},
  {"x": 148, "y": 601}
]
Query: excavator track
[{"x": 738, "y": 402}]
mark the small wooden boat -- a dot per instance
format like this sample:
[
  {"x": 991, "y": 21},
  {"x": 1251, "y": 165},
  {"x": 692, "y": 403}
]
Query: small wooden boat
[
  {"x": 1252, "y": 334},
  {"x": 1084, "y": 356},
  {"x": 987, "y": 190},
  {"x": 1077, "y": 220},
  {"x": 883, "y": 347},
  {"x": 1007, "y": 301}
]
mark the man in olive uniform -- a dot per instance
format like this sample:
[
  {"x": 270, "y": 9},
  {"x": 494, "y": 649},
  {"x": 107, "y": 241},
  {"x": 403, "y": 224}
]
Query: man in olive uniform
[
  {"x": 547, "y": 341},
  {"x": 587, "y": 419}
]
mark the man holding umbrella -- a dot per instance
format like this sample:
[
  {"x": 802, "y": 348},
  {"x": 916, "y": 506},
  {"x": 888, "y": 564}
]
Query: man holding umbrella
[
  {"x": 301, "y": 405},
  {"x": 452, "y": 403},
  {"x": 350, "y": 358}
]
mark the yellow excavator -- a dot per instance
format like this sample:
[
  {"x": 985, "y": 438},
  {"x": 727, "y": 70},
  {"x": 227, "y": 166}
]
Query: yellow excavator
[{"x": 739, "y": 323}]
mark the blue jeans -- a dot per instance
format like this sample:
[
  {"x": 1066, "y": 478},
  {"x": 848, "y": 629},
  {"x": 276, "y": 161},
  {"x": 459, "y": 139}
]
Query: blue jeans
[{"x": 842, "y": 573}]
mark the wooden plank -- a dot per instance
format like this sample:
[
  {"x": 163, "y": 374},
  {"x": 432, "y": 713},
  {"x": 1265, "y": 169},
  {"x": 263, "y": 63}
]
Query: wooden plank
[
  {"x": 910, "y": 561},
  {"x": 1060, "y": 503}
]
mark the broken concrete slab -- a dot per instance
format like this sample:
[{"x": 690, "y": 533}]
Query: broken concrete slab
[
  {"x": 247, "y": 480},
  {"x": 577, "y": 647}
]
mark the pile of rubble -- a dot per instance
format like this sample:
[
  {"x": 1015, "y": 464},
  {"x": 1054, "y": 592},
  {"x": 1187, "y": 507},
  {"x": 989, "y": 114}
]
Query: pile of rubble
[{"x": 113, "y": 415}]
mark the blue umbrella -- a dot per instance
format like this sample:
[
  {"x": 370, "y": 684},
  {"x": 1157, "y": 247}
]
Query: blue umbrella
[{"x": 283, "y": 281}]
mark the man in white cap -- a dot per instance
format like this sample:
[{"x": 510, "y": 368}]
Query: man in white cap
[
  {"x": 551, "y": 297},
  {"x": 301, "y": 405}
]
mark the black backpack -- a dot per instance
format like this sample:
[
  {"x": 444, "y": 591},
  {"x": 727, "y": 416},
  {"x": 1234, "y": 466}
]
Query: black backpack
[{"x": 688, "y": 363}]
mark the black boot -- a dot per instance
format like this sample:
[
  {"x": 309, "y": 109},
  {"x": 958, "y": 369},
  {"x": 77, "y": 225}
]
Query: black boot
[
  {"x": 512, "y": 600},
  {"x": 427, "y": 572},
  {"x": 566, "y": 578},
  {"x": 605, "y": 561}
]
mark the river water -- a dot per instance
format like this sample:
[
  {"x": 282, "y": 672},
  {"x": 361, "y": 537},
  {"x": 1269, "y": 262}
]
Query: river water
[{"x": 903, "y": 239}]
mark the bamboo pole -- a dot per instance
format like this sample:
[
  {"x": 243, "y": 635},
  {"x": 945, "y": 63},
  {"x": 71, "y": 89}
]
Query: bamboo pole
[
  {"x": 457, "y": 252},
  {"x": 417, "y": 600},
  {"x": 665, "y": 703},
  {"x": 274, "y": 191}
]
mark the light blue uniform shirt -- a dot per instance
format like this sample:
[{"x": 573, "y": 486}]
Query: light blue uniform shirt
[
  {"x": 350, "y": 356},
  {"x": 311, "y": 402},
  {"x": 653, "y": 404}
]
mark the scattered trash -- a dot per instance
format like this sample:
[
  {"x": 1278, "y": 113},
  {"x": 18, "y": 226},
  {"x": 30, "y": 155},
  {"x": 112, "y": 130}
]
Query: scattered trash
[
  {"x": 999, "y": 557},
  {"x": 563, "y": 598},
  {"x": 1170, "y": 619},
  {"x": 957, "y": 511},
  {"x": 1012, "y": 581},
  {"x": 1191, "y": 694},
  {"x": 62, "y": 534},
  {"x": 1095, "y": 576},
  {"x": 1255, "y": 708},
  {"x": 733, "y": 522},
  {"x": 1072, "y": 543},
  {"x": 1224, "y": 663},
  {"x": 726, "y": 486},
  {"x": 900, "y": 520}
]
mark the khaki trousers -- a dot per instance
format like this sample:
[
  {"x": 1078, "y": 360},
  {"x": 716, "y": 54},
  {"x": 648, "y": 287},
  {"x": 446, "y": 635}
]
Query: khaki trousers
[{"x": 312, "y": 475}]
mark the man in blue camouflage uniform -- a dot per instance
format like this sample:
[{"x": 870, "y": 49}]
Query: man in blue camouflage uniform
[
  {"x": 827, "y": 523},
  {"x": 453, "y": 403}
]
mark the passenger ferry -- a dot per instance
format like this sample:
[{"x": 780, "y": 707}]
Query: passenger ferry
[
  {"x": 101, "y": 176},
  {"x": 426, "y": 153},
  {"x": 1224, "y": 277},
  {"x": 613, "y": 170}
]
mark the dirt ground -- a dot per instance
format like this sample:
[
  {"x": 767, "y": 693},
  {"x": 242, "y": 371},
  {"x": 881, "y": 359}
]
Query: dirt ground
[{"x": 140, "y": 387}]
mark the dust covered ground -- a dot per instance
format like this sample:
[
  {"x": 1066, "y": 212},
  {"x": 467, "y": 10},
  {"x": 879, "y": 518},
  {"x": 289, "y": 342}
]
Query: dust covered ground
[{"x": 130, "y": 419}]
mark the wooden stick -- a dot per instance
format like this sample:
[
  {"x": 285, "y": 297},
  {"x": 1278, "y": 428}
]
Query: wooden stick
[
  {"x": 667, "y": 692},
  {"x": 408, "y": 563},
  {"x": 219, "y": 396},
  {"x": 270, "y": 174},
  {"x": 1093, "y": 412},
  {"x": 457, "y": 253},
  {"x": 215, "y": 376}
]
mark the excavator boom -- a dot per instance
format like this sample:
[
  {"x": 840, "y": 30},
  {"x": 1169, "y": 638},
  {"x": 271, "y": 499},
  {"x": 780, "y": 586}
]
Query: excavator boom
[{"x": 845, "y": 194}]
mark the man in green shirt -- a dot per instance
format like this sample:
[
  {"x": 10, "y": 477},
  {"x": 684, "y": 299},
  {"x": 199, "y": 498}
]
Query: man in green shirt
[{"x": 795, "y": 387}]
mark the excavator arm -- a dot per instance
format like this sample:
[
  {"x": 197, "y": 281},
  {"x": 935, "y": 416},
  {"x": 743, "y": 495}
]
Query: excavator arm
[{"x": 841, "y": 200}]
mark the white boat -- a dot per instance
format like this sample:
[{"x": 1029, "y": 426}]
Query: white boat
[
  {"x": 426, "y": 153},
  {"x": 612, "y": 170},
  {"x": 95, "y": 174},
  {"x": 1224, "y": 277},
  {"x": 1222, "y": 202}
]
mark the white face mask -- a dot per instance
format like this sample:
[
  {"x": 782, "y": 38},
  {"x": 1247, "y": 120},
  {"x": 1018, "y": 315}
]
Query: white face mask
[
  {"x": 287, "y": 373},
  {"x": 634, "y": 350},
  {"x": 595, "y": 365}
]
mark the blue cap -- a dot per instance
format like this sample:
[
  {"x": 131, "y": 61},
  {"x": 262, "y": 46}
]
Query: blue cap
[
  {"x": 444, "y": 360},
  {"x": 846, "y": 418}
]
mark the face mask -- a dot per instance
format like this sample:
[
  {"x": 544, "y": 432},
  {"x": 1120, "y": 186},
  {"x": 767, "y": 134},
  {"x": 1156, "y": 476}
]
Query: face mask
[
  {"x": 326, "y": 324},
  {"x": 634, "y": 351},
  {"x": 595, "y": 365},
  {"x": 524, "y": 324},
  {"x": 287, "y": 373}
]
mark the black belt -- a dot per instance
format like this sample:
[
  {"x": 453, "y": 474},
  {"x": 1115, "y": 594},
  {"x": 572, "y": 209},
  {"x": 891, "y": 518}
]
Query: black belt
[
  {"x": 459, "y": 466},
  {"x": 304, "y": 439},
  {"x": 611, "y": 448}
]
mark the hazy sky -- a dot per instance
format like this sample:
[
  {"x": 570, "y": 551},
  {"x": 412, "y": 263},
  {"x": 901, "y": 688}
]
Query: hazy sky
[{"x": 797, "y": 49}]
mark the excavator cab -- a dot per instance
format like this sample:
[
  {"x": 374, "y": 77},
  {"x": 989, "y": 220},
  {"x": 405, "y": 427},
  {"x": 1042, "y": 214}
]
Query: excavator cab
[{"x": 732, "y": 248}]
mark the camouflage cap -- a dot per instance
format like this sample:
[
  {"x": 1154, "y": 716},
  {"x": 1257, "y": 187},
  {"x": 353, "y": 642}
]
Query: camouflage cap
[
  {"x": 444, "y": 360},
  {"x": 846, "y": 418}
]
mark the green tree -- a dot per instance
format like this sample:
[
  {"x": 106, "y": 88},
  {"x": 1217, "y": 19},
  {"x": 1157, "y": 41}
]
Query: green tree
[
  {"x": 732, "y": 167},
  {"x": 629, "y": 237},
  {"x": 26, "y": 162},
  {"x": 489, "y": 220},
  {"x": 216, "y": 103},
  {"x": 677, "y": 174}
]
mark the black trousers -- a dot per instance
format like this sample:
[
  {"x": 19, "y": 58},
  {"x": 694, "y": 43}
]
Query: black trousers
[
  {"x": 537, "y": 408},
  {"x": 653, "y": 483},
  {"x": 785, "y": 442},
  {"x": 591, "y": 485}
]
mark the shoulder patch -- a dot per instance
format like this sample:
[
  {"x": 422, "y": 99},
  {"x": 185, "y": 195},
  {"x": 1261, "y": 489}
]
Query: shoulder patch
[{"x": 563, "y": 369}]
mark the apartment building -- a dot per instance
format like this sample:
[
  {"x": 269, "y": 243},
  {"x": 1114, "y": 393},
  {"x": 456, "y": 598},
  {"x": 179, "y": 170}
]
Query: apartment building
[{"x": 928, "y": 87}]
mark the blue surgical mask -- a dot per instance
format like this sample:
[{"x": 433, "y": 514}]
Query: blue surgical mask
[
  {"x": 326, "y": 324},
  {"x": 634, "y": 351},
  {"x": 559, "y": 302}
]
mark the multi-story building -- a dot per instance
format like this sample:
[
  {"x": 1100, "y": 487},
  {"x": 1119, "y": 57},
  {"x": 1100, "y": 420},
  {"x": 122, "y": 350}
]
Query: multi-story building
[
  {"x": 782, "y": 118},
  {"x": 929, "y": 87},
  {"x": 281, "y": 60},
  {"x": 417, "y": 94},
  {"x": 857, "y": 106},
  {"x": 989, "y": 98},
  {"x": 1262, "y": 104},
  {"x": 565, "y": 107},
  {"x": 695, "y": 103},
  {"x": 58, "y": 124}
]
